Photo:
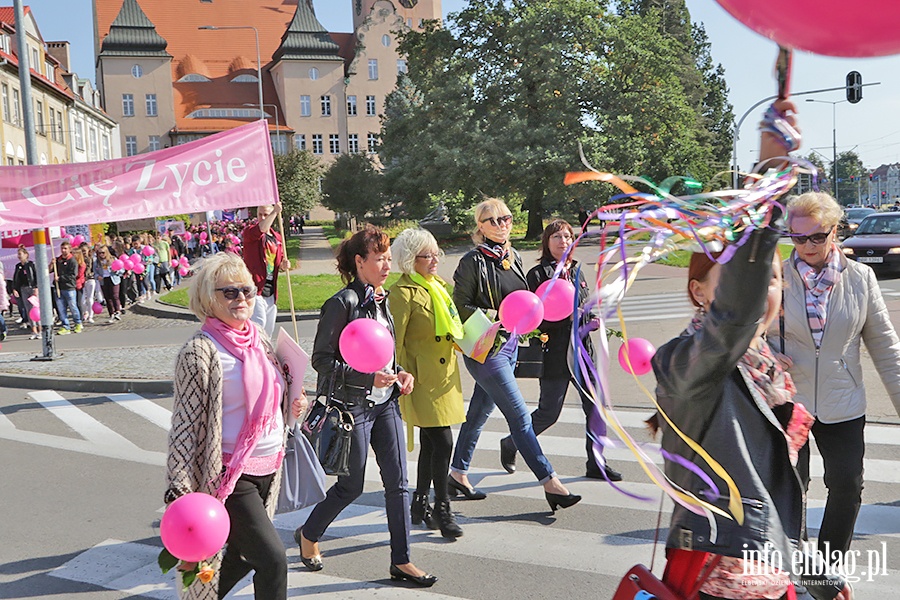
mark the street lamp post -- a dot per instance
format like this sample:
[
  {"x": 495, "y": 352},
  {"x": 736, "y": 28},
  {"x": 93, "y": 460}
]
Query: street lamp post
[
  {"x": 258, "y": 58},
  {"x": 834, "y": 177},
  {"x": 277, "y": 126}
]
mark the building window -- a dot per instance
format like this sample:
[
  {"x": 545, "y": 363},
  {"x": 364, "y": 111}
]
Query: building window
[
  {"x": 334, "y": 143},
  {"x": 226, "y": 113},
  {"x": 52, "y": 124},
  {"x": 6, "y": 114},
  {"x": 317, "y": 143},
  {"x": 48, "y": 67},
  {"x": 59, "y": 121},
  {"x": 353, "y": 143},
  {"x": 104, "y": 144},
  {"x": 40, "y": 117},
  {"x": 372, "y": 142},
  {"x": 401, "y": 67},
  {"x": 245, "y": 78},
  {"x": 373, "y": 68},
  {"x": 137, "y": 71},
  {"x": 79, "y": 135},
  {"x": 300, "y": 141},
  {"x": 150, "y": 101},
  {"x": 127, "y": 105},
  {"x": 279, "y": 144},
  {"x": 386, "y": 41},
  {"x": 370, "y": 106},
  {"x": 197, "y": 78},
  {"x": 326, "y": 106},
  {"x": 92, "y": 140},
  {"x": 35, "y": 60},
  {"x": 313, "y": 73},
  {"x": 305, "y": 106},
  {"x": 409, "y": 23},
  {"x": 17, "y": 115},
  {"x": 5, "y": 43},
  {"x": 130, "y": 145},
  {"x": 153, "y": 143},
  {"x": 351, "y": 106}
]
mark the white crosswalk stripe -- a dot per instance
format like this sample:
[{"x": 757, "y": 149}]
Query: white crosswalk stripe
[
  {"x": 130, "y": 567},
  {"x": 652, "y": 307}
]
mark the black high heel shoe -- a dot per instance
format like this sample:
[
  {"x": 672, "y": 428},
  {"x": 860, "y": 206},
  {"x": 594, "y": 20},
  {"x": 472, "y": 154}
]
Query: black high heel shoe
[
  {"x": 456, "y": 488},
  {"x": 425, "y": 580},
  {"x": 559, "y": 501},
  {"x": 313, "y": 563}
]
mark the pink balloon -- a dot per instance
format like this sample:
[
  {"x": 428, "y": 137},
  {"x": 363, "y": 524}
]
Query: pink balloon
[
  {"x": 97, "y": 308},
  {"x": 174, "y": 262},
  {"x": 202, "y": 235},
  {"x": 62, "y": 232},
  {"x": 521, "y": 312},
  {"x": 638, "y": 352},
  {"x": 188, "y": 236},
  {"x": 830, "y": 27},
  {"x": 183, "y": 271},
  {"x": 184, "y": 261},
  {"x": 78, "y": 240},
  {"x": 366, "y": 345},
  {"x": 194, "y": 527},
  {"x": 135, "y": 259},
  {"x": 35, "y": 315},
  {"x": 558, "y": 299},
  {"x": 71, "y": 239},
  {"x": 138, "y": 268},
  {"x": 117, "y": 265},
  {"x": 148, "y": 251}
]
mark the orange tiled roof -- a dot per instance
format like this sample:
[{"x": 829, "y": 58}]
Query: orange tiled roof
[{"x": 8, "y": 14}]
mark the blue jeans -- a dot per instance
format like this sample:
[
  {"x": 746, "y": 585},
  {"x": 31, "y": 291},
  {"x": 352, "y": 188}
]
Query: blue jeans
[
  {"x": 67, "y": 299},
  {"x": 495, "y": 385},
  {"x": 150, "y": 277}
]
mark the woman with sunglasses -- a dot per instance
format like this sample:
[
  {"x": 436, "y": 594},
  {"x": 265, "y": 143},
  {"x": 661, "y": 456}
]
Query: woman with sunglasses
[
  {"x": 484, "y": 277},
  {"x": 558, "y": 236},
  {"x": 426, "y": 323},
  {"x": 830, "y": 305},
  {"x": 109, "y": 280},
  {"x": 228, "y": 429},
  {"x": 364, "y": 262}
]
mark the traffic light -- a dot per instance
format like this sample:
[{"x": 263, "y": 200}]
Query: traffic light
[{"x": 854, "y": 87}]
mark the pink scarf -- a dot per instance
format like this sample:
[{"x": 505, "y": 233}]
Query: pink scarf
[{"x": 262, "y": 392}]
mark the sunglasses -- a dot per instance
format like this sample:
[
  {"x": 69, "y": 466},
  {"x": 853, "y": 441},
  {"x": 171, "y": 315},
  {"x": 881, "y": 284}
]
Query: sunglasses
[
  {"x": 231, "y": 293},
  {"x": 817, "y": 238},
  {"x": 498, "y": 221}
]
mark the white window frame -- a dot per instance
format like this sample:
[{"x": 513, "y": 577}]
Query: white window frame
[
  {"x": 154, "y": 143},
  {"x": 325, "y": 102},
  {"x": 305, "y": 106},
  {"x": 39, "y": 113},
  {"x": 151, "y": 105},
  {"x": 371, "y": 142},
  {"x": 300, "y": 141},
  {"x": 352, "y": 110},
  {"x": 130, "y": 145},
  {"x": 7, "y": 114},
  {"x": 353, "y": 143},
  {"x": 79, "y": 135},
  {"x": 127, "y": 105},
  {"x": 371, "y": 106},
  {"x": 334, "y": 143},
  {"x": 373, "y": 69},
  {"x": 318, "y": 144}
]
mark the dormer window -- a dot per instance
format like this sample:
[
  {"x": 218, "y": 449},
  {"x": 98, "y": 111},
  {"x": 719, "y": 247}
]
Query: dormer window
[
  {"x": 246, "y": 78},
  {"x": 193, "y": 78},
  {"x": 228, "y": 113}
]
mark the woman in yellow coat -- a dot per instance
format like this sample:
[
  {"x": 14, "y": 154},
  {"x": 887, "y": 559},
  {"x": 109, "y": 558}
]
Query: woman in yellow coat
[{"x": 425, "y": 324}]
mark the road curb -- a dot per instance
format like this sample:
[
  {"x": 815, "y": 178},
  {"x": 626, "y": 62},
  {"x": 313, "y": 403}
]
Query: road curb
[
  {"x": 163, "y": 310},
  {"x": 84, "y": 384}
]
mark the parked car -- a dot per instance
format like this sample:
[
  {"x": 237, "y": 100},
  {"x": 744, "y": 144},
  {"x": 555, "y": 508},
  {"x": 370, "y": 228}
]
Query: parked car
[
  {"x": 851, "y": 220},
  {"x": 876, "y": 242}
]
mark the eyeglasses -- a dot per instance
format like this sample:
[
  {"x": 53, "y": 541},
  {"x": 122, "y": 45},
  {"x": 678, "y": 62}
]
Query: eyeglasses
[
  {"x": 561, "y": 236},
  {"x": 816, "y": 238},
  {"x": 498, "y": 221},
  {"x": 430, "y": 257},
  {"x": 231, "y": 293}
]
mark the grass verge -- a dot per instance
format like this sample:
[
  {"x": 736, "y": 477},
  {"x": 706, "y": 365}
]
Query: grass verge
[{"x": 681, "y": 258}]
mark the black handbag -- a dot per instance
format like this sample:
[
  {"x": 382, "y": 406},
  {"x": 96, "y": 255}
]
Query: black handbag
[
  {"x": 329, "y": 428},
  {"x": 530, "y": 362}
]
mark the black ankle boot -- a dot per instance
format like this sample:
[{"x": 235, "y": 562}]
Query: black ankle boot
[
  {"x": 420, "y": 511},
  {"x": 449, "y": 527}
]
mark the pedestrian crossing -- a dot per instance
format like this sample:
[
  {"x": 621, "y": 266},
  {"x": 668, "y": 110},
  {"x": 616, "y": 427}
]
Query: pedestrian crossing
[
  {"x": 655, "y": 307},
  {"x": 511, "y": 534}
]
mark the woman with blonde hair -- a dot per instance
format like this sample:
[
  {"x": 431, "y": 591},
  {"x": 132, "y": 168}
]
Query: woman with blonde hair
[
  {"x": 830, "y": 305},
  {"x": 425, "y": 324},
  {"x": 484, "y": 277}
]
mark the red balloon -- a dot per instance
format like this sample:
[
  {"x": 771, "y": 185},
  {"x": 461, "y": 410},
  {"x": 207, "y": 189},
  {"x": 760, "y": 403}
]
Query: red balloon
[
  {"x": 521, "y": 312},
  {"x": 559, "y": 300},
  {"x": 829, "y": 27},
  {"x": 194, "y": 527},
  {"x": 638, "y": 352},
  {"x": 366, "y": 345}
]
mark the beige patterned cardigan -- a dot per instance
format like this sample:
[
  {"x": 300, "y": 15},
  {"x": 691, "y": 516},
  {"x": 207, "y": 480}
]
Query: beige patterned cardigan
[{"x": 195, "y": 439}]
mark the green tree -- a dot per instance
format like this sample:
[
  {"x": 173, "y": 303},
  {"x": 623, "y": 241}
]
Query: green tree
[
  {"x": 353, "y": 185},
  {"x": 850, "y": 171},
  {"x": 822, "y": 177},
  {"x": 298, "y": 174}
]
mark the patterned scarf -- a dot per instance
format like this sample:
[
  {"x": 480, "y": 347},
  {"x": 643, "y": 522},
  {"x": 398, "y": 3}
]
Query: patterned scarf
[
  {"x": 498, "y": 252},
  {"x": 818, "y": 290},
  {"x": 446, "y": 317},
  {"x": 374, "y": 295},
  {"x": 262, "y": 394}
]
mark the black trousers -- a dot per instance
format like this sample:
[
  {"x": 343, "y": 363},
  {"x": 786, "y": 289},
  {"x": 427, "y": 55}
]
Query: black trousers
[
  {"x": 436, "y": 446},
  {"x": 842, "y": 447},
  {"x": 253, "y": 543},
  {"x": 380, "y": 426}
]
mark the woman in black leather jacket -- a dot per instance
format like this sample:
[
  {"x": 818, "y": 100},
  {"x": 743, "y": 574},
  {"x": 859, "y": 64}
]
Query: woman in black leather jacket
[
  {"x": 483, "y": 278},
  {"x": 364, "y": 262},
  {"x": 554, "y": 381}
]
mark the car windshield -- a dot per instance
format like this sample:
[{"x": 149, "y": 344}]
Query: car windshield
[
  {"x": 880, "y": 225},
  {"x": 859, "y": 213}
]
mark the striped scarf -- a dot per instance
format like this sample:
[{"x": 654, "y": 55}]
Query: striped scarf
[{"x": 818, "y": 290}]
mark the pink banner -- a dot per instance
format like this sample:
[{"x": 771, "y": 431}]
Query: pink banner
[{"x": 232, "y": 169}]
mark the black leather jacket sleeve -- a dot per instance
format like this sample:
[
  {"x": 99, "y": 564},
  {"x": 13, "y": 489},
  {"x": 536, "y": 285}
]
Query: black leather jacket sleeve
[
  {"x": 349, "y": 385},
  {"x": 468, "y": 280},
  {"x": 694, "y": 367}
]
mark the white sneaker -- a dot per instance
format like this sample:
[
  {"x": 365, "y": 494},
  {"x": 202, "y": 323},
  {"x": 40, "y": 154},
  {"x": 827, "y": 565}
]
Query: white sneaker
[
  {"x": 117, "y": 316},
  {"x": 34, "y": 336},
  {"x": 112, "y": 319}
]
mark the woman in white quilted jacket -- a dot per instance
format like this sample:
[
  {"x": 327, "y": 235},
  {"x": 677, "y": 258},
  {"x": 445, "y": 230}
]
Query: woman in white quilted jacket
[{"x": 830, "y": 305}]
